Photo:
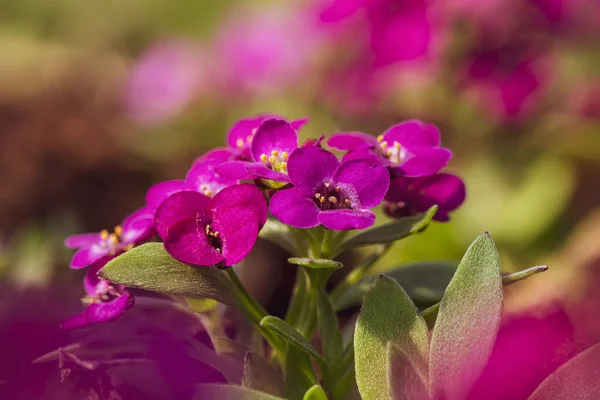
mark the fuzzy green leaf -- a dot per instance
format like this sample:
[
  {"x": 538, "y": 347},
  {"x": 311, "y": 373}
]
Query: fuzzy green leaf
[
  {"x": 230, "y": 392},
  {"x": 260, "y": 375},
  {"x": 391, "y": 231},
  {"x": 467, "y": 323},
  {"x": 150, "y": 267},
  {"x": 387, "y": 315},
  {"x": 316, "y": 263},
  {"x": 574, "y": 380},
  {"x": 290, "y": 335},
  {"x": 403, "y": 379},
  {"x": 315, "y": 393}
]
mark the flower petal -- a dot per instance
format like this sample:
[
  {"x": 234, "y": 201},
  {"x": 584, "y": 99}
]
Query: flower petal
[
  {"x": 261, "y": 171},
  {"x": 204, "y": 174},
  {"x": 413, "y": 133},
  {"x": 366, "y": 154},
  {"x": 426, "y": 161},
  {"x": 351, "y": 141},
  {"x": 310, "y": 167},
  {"x": 242, "y": 131},
  {"x": 181, "y": 206},
  {"x": 445, "y": 190},
  {"x": 245, "y": 195},
  {"x": 238, "y": 230},
  {"x": 363, "y": 182},
  {"x": 87, "y": 256},
  {"x": 187, "y": 242},
  {"x": 344, "y": 220},
  {"x": 159, "y": 192},
  {"x": 139, "y": 226},
  {"x": 292, "y": 208},
  {"x": 82, "y": 240},
  {"x": 273, "y": 134},
  {"x": 76, "y": 321},
  {"x": 108, "y": 311},
  {"x": 219, "y": 155},
  {"x": 234, "y": 170},
  {"x": 299, "y": 123},
  {"x": 91, "y": 282}
]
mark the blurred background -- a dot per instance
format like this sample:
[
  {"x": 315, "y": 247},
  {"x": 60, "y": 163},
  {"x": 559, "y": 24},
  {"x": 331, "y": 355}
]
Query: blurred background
[{"x": 99, "y": 100}]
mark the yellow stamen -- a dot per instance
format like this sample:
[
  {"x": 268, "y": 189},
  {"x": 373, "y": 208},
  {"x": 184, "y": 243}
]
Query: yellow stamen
[
  {"x": 389, "y": 152},
  {"x": 114, "y": 239},
  {"x": 239, "y": 143},
  {"x": 380, "y": 138},
  {"x": 129, "y": 247},
  {"x": 104, "y": 234},
  {"x": 347, "y": 201},
  {"x": 264, "y": 158},
  {"x": 317, "y": 195},
  {"x": 272, "y": 159},
  {"x": 337, "y": 188},
  {"x": 333, "y": 199},
  {"x": 285, "y": 155},
  {"x": 207, "y": 193},
  {"x": 275, "y": 153},
  {"x": 284, "y": 166},
  {"x": 383, "y": 145},
  {"x": 397, "y": 145},
  {"x": 322, "y": 200},
  {"x": 203, "y": 187}
]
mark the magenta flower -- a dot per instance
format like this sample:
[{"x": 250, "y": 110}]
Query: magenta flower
[
  {"x": 94, "y": 247},
  {"x": 409, "y": 196},
  {"x": 338, "y": 196},
  {"x": 410, "y": 149},
  {"x": 202, "y": 231},
  {"x": 104, "y": 301}
]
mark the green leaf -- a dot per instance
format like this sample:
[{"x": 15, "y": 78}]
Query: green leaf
[
  {"x": 403, "y": 379},
  {"x": 230, "y": 392},
  {"x": 260, "y": 375},
  {"x": 290, "y": 335},
  {"x": 392, "y": 231},
  {"x": 201, "y": 305},
  {"x": 315, "y": 393},
  {"x": 387, "y": 315},
  {"x": 424, "y": 282},
  {"x": 331, "y": 338},
  {"x": 299, "y": 373},
  {"x": 316, "y": 263},
  {"x": 576, "y": 379},
  {"x": 467, "y": 323},
  {"x": 150, "y": 267},
  {"x": 519, "y": 276}
]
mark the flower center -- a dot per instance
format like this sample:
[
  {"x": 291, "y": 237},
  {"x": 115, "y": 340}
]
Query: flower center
[
  {"x": 395, "y": 153},
  {"x": 114, "y": 239},
  {"x": 277, "y": 161},
  {"x": 214, "y": 238},
  {"x": 103, "y": 295},
  {"x": 331, "y": 198}
]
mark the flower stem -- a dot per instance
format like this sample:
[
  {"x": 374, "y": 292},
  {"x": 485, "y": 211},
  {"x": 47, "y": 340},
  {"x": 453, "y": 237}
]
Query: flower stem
[{"x": 327, "y": 244}]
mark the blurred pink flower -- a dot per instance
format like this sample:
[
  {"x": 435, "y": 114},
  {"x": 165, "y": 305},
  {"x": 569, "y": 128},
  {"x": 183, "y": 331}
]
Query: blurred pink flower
[
  {"x": 164, "y": 81},
  {"x": 266, "y": 49}
]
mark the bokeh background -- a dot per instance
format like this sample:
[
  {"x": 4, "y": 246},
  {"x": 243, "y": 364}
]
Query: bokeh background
[{"x": 99, "y": 100}]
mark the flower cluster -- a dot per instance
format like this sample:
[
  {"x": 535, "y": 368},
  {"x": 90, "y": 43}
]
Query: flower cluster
[{"x": 214, "y": 215}]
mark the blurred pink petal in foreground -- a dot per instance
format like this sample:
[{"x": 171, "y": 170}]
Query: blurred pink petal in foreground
[{"x": 164, "y": 80}]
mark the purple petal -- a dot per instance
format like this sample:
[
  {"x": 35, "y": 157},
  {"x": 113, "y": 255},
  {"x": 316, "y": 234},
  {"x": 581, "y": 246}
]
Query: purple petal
[
  {"x": 399, "y": 189},
  {"x": 347, "y": 141},
  {"x": 219, "y": 155},
  {"x": 238, "y": 230},
  {"x": 413, "y": 133},
  {"x": 242, "y": 131},
  {"x": 274, "y": 134},
  {"x": 104, "y": 312},
  {"x": 310, "y": 167},
  {"x": 338, "y": 10},
  {"x": 313, "y": 142},
  {"x": 261, "y": 171},
  {"x": 366, "y": 154},
  {"x": 426, "y": 162},
  {"x": 344, "y": 220},
  {"x": 187, "y": 242},
  {"x": 246, "y": 195},
  {"x": 299, "y": 123},
  {"x": 363, "y": 182},
  {"x": 445, "y": 190},
  {"x": 139, "y": 226},
  {"x": 91, "y": 282},
  {"x": 205, "y": 174},
  {"x": 82, "y": 240},
  {"x": 179, "y": 207},
  {"x": 76, "y": 321},
  {"x": 87, "y": 256},
  {"x": 159, "y": 192},
  {"x": 292, "y": 208},
  {"x": 234, "y": 170}
]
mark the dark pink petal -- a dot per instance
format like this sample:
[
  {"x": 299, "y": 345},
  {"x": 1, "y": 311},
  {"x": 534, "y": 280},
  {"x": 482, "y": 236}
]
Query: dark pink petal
[
  {"x": 187, "y": 242},
  {"x": 108, "y": 311},
  {"x": 347, "y": 141},
  {"x": 292, "y": 208},
  {"x": 299, "y": 123},
  {"x": 366, "y": 154},
  {"x": 246, "y": 195},
  {"x": 273, "y": 134},
  {"x": 445, "y": 190},
  {"x": 159, "y": 192},
  {"x": 82, "y": 240},
  {"x": 427, "y": 161},
  {"x": 413, "y": 133},
  {"x": 91, "y": 282},
  {"x": 76, "y": 321},
  {"x": 87, "y": 256},
  {"x": 219, "y": 155},
  {"x": 242, "y": 131},
  {"x": 313, "y": 142},
  {"x": 363, "y": 182},
  {"x": 139, "y": 226},
  {"x": 399, "y": 189},
  {"x": 338, "y": 10},
  {"x": 181, "y": 206},
  {"x": 261, "y": 171},
  {"x": 310, "y": 167},
  {"x": 234, "y": 170},
  {"x": 344, "y": 220},
  {"x": 204, "y": 173},
  {"x": 238, "y": 230}
]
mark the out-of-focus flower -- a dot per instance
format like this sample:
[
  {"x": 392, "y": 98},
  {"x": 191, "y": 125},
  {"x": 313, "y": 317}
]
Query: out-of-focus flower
[
  {"x": 411, "y": 148},
  {"x": 105, "y": 301},
  {"x": 409, "y": 196},
  {"x": 95, "y": 247},
  {"x": 220, "y": 231},
  {"x": 164, "y": 81},
  {"x": 338, "y": 196},
  {"x": 266, "y": 49}
]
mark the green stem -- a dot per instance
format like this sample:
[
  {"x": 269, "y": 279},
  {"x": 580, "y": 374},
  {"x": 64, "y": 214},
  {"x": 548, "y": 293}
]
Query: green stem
[
  {"x": 254, "y": 311},
  {"x": 327, "y": 244}
]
